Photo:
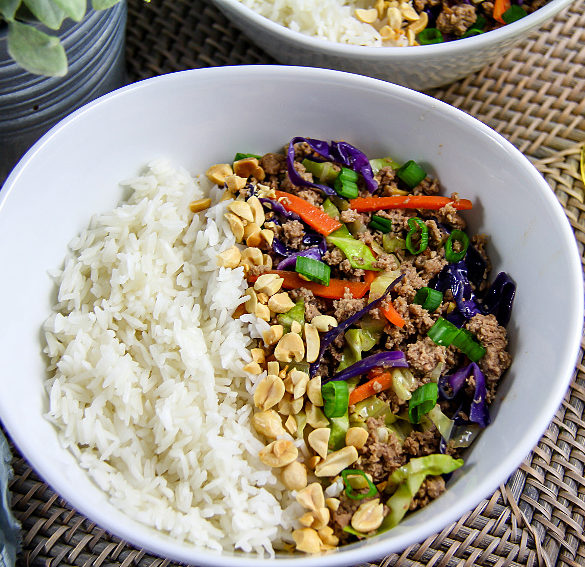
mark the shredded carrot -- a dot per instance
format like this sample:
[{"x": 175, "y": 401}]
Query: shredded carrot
[
  {"x": 367, "y": 204},
  {"x": 500, "y": 8},
  {"x": 392, "y": 315},
  {"x": 335, "y": 289},
  {"x": 382, "y": 380},
  {"x": 316, "y": 218}
]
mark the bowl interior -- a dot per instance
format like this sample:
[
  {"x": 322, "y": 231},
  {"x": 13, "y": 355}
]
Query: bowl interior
[{"x": 204, "y": 116}]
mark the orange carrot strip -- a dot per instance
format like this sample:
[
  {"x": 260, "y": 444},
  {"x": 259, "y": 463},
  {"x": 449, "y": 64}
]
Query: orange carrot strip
[
  {"x": 500, "y": 7},
  {"x": 381, "y": 381},
  {"x": 367, "y": 204},
  {"x": 316, "y": 218},
  {"x": 392, "y": 315},
  {"x": 335, "y": 289}
]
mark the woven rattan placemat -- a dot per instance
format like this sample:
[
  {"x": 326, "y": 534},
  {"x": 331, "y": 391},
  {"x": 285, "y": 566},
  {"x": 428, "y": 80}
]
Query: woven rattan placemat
[{"x": 535, "y": 98}]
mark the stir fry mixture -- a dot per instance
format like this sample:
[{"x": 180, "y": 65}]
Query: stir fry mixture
[
  {"x": 423, "y": 22},
  {"x": 383, "y": 340}
]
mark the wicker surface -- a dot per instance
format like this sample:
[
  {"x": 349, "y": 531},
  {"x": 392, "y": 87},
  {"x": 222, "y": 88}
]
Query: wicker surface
[{"x": 534, "y": 97}]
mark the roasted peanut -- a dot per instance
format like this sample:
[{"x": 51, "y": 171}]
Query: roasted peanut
[
  {"x": 356, "y": 436},
  {"x": 272, "y": 366},
  {"x": 253, "y": 368},
  {"x": 279, "y": 453},
  {"x": 252, "y": 256},
  {"x": 258, "y": 355},
  {"x": 420, "y": 24},
  {"x": 267, "y": 260},
  {"x": 291, "y": 424},
  {"x": 247, "y": 167},
  {"x": 281, "y": 302},
  {"x": 394, "y": 18},
  {"x": 409, "y": 13},
  {"x": 295, "y": 327},
  {"x": 315, "y": 416},
  {"x": 236, "y": 225},
  {"x": 273, "y": 335},
  {"x": 199, "y": 205},
  {"x": 299, "y": 380},
  {"x": 290, "y": 347},
  {"x": 368, "y": 516},
  {"x": 235, "y": 183},
  {"x": 324, "y": 323},
  {"x": 229, "y": 258},
  {"x": 337, "y": 461},
  {"x": 366, "y": 16},
  {"x": 312, "y": 341},
  {"x": 327, "y": 536},
  {"x": 262, "y": 312},
  {"x": 311, "y": 497},
  {"x": 307, "y": 519},
  {"x": 268, "y": 284},
  {"x": 318, "y": 440},
  {"x": 307, "y": 540},
  {"x": 321, "y": 518},
  {"x": 289, "y": 406},
  {"x": 267, "y": 236},
  {"x": 294, "y": 476},
  {"x": 268, "y": 423},
  {"x": 332, "y": 503},
  {"x": 217, "y": 173},
  {"x": 252, "y": 301},
  {"x": 313, "y": 461},
  {"x": 314, "y": 391},
  {"x": 262, "y": 298},
  {"x": 242, "y": 210},
  {"x": 257, "y": 210},
  {"x": 269, "y": 392}
]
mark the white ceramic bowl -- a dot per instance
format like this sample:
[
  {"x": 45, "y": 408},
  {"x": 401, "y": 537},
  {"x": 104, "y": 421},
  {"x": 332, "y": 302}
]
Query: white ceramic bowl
[
  {"x": 421, "y": 68},
  {"x": 204, "y": 116}
]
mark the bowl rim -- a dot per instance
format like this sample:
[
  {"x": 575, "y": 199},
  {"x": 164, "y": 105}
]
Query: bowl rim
[
  {"x": 332, "y": 48},
  {"x": 355, "y": 553}
]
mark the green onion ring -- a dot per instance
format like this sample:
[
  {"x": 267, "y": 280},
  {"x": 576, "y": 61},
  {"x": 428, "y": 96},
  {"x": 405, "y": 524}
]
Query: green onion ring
[{"x": 415, "y": 224}]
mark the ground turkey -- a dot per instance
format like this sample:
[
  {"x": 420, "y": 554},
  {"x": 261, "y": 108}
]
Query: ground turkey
[
  {"x": 431, "y": 488},
  {"x": 347, "y": 306},
  {"x": 494, "y": 338},
  {"x": 422, "y": 443},
  {"x": 292, "y": 233},
  {"x": 456, "y": 19},
  {"x": 379, "y": 459}
]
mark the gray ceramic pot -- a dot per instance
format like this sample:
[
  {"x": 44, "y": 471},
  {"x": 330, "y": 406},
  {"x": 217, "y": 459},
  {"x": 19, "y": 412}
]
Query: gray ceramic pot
[{"x": 30, "y": 104}]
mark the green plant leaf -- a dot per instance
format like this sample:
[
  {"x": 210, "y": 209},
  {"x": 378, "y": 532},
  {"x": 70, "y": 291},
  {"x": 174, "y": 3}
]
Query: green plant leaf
[
  {"x": 46, "y": 12},
  {"x": 36, "y": 51},
  {"x": 8, "y": 8},
  {"x": 75, "y": 9},
  {"x": 103, "y": 4}
]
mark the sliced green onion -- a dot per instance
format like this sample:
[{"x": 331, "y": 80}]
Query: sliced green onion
[
  {"x": 392, "y": 243},
  {"x": 346, "y": 183},
  {"x": 335, "y": 398},
  {"x": 429, "y": 36},
  {"x": 349, "y": 491},
  {"x": 416, "y": 225},
  {"x": 324, "y": 170},
  {"x": 429, "y": 298},
  {"x": 463, "y": 239},
  {"x": 240, "y": 156},
  {"x": 478, "y": 27},
  {"x": 513, "y": 14},
  {"x": 411, "y": 173},
  {"x": 378, "y": 163},
  {"x": 443, "y": 332},
  {"x": 313, "y": 270},
  {"x": 423, "y": 400},
  {"x": 466, "y": 343},
  {"x": 381, "y": 223}
]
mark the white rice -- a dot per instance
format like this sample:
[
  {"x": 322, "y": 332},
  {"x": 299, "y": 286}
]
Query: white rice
[
  {"x": 333, "y": 20},
  {"x": 147, "y": 387}
]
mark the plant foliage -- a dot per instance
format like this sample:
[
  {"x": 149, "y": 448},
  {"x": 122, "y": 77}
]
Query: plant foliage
[{"x": 34, "y": 49}]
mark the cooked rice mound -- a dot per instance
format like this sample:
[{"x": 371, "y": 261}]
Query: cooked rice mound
[{"x": 146, "y": 383}]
